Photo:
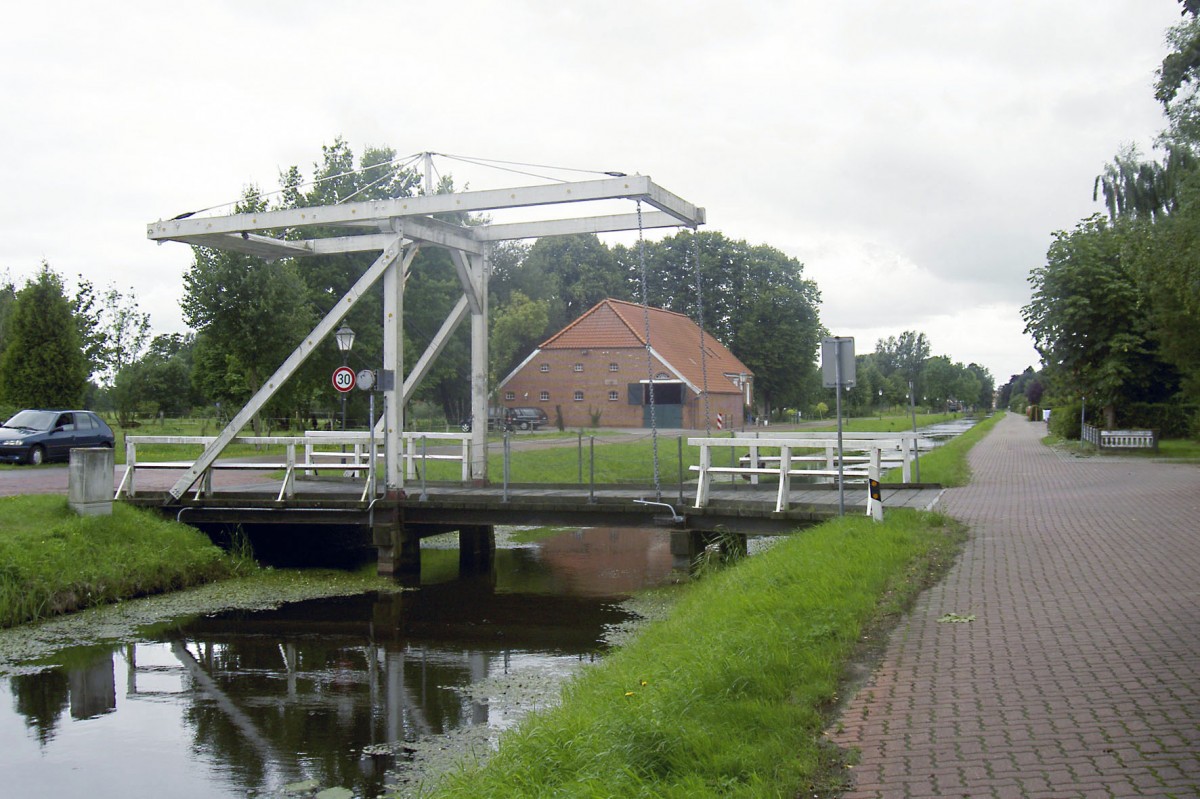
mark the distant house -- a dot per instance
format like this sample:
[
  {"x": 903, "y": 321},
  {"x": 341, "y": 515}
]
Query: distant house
[{"x": 595, "y": 372}]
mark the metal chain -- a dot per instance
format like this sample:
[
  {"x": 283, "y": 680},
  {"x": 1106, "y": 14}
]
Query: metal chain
[
  {"x": 700, "y": 324},
  {"x": 649, "y": 353}
]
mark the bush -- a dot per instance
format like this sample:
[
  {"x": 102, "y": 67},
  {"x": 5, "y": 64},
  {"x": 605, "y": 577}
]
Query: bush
[
  {"x": 1170, "y": 419},
  {"x": 1064, "y": 421}
]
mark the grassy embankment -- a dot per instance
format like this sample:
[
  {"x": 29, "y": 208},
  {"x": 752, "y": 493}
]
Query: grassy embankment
[
  {"x": 52, "y": 561},
  {"x": 730, "y": 694}
]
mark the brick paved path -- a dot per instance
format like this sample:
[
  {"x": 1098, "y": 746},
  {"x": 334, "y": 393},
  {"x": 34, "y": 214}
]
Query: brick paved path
[{"x": 1080, "y": 676}]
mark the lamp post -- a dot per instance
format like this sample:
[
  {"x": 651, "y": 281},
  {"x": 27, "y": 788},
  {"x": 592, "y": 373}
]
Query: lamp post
[{"x": 345, "y": 340}]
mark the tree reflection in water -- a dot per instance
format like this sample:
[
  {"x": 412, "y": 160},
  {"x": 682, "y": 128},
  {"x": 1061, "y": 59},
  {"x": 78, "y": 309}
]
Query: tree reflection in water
[{"x": 248, "y": 702}]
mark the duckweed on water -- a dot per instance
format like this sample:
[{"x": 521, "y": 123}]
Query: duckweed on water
[{"x": 131, "y": 620}]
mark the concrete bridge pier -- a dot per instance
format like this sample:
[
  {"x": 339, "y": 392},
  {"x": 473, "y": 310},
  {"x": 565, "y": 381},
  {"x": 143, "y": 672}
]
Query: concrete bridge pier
[
  {"x": 476, "y": 548},
  {"x": 398, "y": 545},
  {"x": 688, "y": 545}
]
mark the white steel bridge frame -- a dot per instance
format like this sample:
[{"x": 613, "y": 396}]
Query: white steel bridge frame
[{"x": 397, "y": 229}]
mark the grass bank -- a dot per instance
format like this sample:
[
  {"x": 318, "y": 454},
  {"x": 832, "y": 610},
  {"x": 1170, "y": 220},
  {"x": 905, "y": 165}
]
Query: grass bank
[
  {"x": 729, "y": 695},
  {"x": 52, "y": 561},
  {"x": 947, "y": 464}
]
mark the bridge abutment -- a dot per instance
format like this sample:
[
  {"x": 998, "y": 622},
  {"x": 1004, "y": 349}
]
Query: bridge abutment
[{"x": 688, "y": 545}]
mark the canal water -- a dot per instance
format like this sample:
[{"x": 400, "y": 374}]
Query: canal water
[{"x": 352, "y": 696}]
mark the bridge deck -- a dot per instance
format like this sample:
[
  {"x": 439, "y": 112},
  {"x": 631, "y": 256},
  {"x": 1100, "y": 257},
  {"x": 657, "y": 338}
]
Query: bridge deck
[{"x": 742, "y": 508}]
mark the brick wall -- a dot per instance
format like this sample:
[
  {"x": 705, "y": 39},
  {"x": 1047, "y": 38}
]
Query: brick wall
[{"x": 597, "y": 380}]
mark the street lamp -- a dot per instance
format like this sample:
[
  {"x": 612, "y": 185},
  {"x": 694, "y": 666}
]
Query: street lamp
[{"x": 345, "y": 340}]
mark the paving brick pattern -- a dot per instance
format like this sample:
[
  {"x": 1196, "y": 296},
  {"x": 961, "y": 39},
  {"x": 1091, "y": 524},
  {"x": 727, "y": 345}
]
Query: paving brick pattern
[{"x": 1080, "y": 675}]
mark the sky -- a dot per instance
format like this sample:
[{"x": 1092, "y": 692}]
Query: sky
[{"x": 915, "y": 157}]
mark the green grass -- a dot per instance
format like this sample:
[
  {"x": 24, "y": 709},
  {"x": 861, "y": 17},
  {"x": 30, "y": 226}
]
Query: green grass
[
  {"x": 53, "y": 561},
  {"x": 1179, "y": 449},
  {"x": 947, "y": 464},
  {"x": 729, "y": 695}
]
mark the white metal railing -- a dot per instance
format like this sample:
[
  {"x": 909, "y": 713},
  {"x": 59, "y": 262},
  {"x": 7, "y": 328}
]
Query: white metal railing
[
  {"x": 797, "y": 458},
  {"x": 416, "y": 449},
  {"x": 347, "y": 452},
  {"x": 359, "y": 461},
  {"x": 899, "y": 449}
]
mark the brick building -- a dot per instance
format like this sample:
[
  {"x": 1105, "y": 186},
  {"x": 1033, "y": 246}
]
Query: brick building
[{"x": 595, "y": 372}]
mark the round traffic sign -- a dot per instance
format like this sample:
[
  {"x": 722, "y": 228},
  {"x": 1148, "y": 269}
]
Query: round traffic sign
[{"x": 343, "y": 379}]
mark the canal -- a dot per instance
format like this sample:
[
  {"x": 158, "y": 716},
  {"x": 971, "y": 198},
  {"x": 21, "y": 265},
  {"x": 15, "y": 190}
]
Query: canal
[{"x": 352, "y": 696}]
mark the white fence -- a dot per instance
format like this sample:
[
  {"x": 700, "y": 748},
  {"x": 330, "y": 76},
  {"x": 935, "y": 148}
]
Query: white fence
[
  {"x": 323, "y": 451},
  {"x": 805, "y": 456},
  {"x": 1120, "y": 439}
]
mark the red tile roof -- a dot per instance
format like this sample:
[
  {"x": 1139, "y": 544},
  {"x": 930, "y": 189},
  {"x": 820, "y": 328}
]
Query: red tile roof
[{"x": 673, "y": 336}]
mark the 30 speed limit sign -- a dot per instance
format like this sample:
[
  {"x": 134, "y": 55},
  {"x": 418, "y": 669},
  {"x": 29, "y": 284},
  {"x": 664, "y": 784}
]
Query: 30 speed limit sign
[{"x": 343, "y": 379}]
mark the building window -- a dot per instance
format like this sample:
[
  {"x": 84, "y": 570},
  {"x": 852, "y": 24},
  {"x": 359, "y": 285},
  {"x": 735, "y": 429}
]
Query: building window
[
  {"x": 544, "y": 367},
  {"x": 578, "y": 367},
  {"x": 579, "y": 396},
  {"x": 614, "y": 367},
  {"x": 510, "y": 395},
  {"x": 613, "y": 396},
  {"x": 544, "y": 396}
]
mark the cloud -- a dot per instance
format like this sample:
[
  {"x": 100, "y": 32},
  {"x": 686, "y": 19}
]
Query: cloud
[{"x": 924, "y": 150}]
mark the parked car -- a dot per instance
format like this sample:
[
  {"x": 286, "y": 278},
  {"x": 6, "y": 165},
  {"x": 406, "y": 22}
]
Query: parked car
[
  {"x": 530, "y": 418},
  {"x": 39, "y": 436},
  {"x": 498, "y": 419}
]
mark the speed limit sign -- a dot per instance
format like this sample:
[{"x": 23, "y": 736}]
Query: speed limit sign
[{"x": 343, "y": 379}]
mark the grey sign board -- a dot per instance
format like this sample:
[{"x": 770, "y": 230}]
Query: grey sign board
[{"x": 837, "y": 361}]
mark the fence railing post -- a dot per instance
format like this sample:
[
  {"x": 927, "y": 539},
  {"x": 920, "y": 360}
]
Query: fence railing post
[
  {"x": 507, "y": 463},
  {"x": 591, "y": 469}
]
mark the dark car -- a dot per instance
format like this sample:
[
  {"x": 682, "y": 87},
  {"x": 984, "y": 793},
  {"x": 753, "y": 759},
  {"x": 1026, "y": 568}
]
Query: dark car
[
  {"x": 498, "y": 419},
  {"x": 36, "y": 436},
  {"x": 529, "y": 418}
]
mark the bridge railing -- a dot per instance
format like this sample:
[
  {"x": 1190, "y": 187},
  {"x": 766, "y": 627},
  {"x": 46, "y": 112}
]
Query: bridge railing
[
  {"x": 799, "y": 456},
  {"x": 416, "y": 455},
  {"x": 899, "y": 450},
  {"x": 354, "y": 462},
  {"x": 322, "y": 451}
]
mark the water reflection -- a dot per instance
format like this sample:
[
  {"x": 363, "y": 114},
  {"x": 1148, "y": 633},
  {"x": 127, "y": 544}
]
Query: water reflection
[{"x": 246, "y": 703}]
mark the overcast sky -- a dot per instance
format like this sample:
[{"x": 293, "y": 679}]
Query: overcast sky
[{"x": 915, "y": 156}]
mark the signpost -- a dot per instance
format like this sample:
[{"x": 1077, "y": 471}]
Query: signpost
[{"x": 837, "y": 370}]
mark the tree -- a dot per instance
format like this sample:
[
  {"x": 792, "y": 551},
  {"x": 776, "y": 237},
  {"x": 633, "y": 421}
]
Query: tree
[
  {"x": 251, "y": 313},
  {"x": 903, "y": 357},
  {"x": 940, "y": 381},
  {"x": 114, "y": 331},
  {"x": 1165, "y": 261},
  {"x": 8, "y": 299},
  {"x": 43, "y": 364},
  {"x": 1181, "y": 65},
  {"x": 159, "y": 382},
  {"x": 1088, "y": 319},
  {"x": 573, "y": 273},
  {"x": 756, "y": 301},
  {"x": 517, "y": 327},
  {"x": 1143, "y": 190},
  {"x": 986, "y": 396}
]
